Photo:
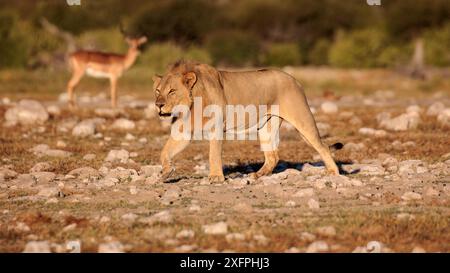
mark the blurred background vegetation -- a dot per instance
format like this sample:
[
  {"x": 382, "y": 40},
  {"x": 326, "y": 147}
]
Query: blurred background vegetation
[{"x": 238, "y": 33}]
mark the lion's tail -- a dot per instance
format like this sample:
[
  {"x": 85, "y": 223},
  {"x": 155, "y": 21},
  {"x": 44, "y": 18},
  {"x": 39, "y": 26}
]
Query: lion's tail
[{"x": 336, "y": 146}]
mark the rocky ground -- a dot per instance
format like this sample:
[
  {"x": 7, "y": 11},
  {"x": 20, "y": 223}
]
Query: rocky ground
[{"x": 87, "y": 179}]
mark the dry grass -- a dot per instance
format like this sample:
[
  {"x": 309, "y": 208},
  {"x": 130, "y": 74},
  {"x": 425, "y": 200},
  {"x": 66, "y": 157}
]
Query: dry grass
[{"x": 357, "y": 222}]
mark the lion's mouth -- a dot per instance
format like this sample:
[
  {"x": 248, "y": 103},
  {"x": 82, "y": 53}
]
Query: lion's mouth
[{"x": 162, "y": 114}]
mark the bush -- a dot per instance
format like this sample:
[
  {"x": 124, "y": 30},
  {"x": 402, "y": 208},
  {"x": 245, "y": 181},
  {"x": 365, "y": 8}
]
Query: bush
[
  {"x": 282, "y": 54},
  {"x": 158, "y": 56},
  {"x": 437, "y": 45},
  {"x": 176, "y": 20},
  {"x": 232, "y": 47},
  {"x": 14, "y": 42},
  {"x": 394, "y": 56},
  {"x": 108, "y": 40},
  {"x": 360, "y": 48},
  {"x": 319, "y": 53}
]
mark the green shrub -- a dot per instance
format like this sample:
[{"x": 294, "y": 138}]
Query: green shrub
[
  {"x": 175, "y": 20},
  {"x": 394, "y": 56},
  {"x": 282, "y": 54},
  {"x": 319, "y": 53},
  {"x": 360, "y": 48},
  {"x": 14, "y": 42},
  {"x": 233, "y": 47},
  {"x": 107, "y": 40},
  {"x": 437, "y": 46},
  {"x": 158, "y": 56}
]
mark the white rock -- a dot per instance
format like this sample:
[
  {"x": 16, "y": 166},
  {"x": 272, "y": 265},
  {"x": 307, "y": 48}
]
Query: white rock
[
  {"x": 63, "y": 97},
  {"x": 418, "y": 249},
  {"x": 313, "y": 204},
  {"x": 324, "y": 129},
  {"x": 89, "y": 157},
  {"x": 123, "y": 124},
  {"x": 308, "y": 192},
  {"x": 85, "y": 172},
  {"x": 133, "y": 190},
  {"x": 290, "y": 203},
  {"x": 129, "y": 137},
  {"x": 43, "y": 177},
  {"x": 409, "y": 167},
  {"x": 44, "y": 150},
  {"x": 431, "y": 192},
  {"x": 372, "y": 132},
  {"x": 414, "y": 108},
  {"x": 49, "y": 192},
  {"x": 409, "y": 196},
  {"x": 234, "y": 237},
  {"x": 328, "y": 231},
  {"x": 54, "y": 110},
  {"x": 25, "y": 180},
  {"x": 61, "y": 144},
  {"x": 66, "y": 125},
  {"x": 435, "y": 109},
  {"x": 151, "y": 111},
  {"x": 130, "y": 217},
  {"x": 121, "y": 156},
  {"x": 87, "y": 127},
  {"x": 41, "y": 167},
  {"x": 309, "y": 169},
  {"x": 150, "y": 170},
  {"x": 111, "y": 247},
  {"x": 444, "y": 117},
  {"x": 329, "y": 107},
  {"x": 307, "y": 237},
  {"x": 402, "y": 123},
  {"x": 27, "y": 112},
  {"x": 164, "y": 217},
  {"x": 354, "y": 147},
  {"x": 108, "y": 112},
  {"x": 219, "y": 228},
  {"x": 371, "y": 169},
  {"x": 185, "y": 234},
  {"x": 37, "y": 247},
  {"x": 317, "y": 246}
]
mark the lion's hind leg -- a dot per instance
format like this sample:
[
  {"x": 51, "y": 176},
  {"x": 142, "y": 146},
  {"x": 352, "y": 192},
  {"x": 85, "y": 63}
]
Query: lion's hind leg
[{"x": 302, "y": 119}]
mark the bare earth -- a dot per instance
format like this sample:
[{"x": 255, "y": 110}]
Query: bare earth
[{"x": 394, "y": 188}]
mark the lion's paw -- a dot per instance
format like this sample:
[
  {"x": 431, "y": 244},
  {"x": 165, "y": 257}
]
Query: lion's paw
[{"x": 216, "y": 178}]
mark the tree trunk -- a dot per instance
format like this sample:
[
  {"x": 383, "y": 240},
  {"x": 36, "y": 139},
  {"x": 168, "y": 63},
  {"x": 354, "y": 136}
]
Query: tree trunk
[{"x": 417, "y": 65}]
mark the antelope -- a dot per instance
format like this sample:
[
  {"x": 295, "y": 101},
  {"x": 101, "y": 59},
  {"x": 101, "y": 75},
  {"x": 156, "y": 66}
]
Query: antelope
[{"x": 102, "y": 65}]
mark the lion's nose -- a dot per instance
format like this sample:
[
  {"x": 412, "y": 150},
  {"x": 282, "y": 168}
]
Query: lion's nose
[{"x": 159, "y": 104}]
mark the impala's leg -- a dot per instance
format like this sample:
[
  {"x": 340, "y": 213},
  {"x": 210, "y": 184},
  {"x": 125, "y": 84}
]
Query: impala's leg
[
  {"x": 73, "y": 82},
  {"x": 269, "y": 138},
  {"x": 215, "y": 161},
  {"x": 113, "y": 81},
  {"x": 171, "y": 149}
]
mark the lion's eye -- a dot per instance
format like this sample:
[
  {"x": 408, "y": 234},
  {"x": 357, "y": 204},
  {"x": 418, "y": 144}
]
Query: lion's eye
[
  {"x": 157, "y": 92},
  {"x": 171, "y": 92}
]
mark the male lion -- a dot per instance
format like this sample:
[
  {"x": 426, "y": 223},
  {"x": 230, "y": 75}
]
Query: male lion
[{"x": 187, "y": 80}]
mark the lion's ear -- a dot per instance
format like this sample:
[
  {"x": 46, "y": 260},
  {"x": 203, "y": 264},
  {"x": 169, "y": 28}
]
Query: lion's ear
[
  {"x": 156, "y": 80},
  {"x": 189, "y": 79}
]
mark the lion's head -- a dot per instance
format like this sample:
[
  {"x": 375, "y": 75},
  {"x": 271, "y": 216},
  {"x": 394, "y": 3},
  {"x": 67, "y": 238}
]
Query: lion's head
[{"x": 174, "y": 88}]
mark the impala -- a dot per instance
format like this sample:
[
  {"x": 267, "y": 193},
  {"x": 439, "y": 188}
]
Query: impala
[{"x": 102, "y": 65}]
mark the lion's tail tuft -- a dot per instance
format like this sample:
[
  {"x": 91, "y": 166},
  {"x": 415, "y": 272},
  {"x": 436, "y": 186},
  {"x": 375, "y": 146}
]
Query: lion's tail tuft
[{"x": 336, "y": 146}]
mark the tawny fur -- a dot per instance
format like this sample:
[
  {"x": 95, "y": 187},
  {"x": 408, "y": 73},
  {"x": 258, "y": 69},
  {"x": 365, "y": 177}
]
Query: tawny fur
[{"x": 186, "y": 80}]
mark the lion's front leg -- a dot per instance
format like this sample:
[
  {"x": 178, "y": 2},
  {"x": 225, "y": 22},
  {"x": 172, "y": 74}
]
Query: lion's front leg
[
  {"x": 215, "y": 161},
  {"x": 172, "y": 148}
]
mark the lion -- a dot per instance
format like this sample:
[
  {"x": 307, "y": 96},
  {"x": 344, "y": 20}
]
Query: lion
[{"x": 186, "y": 80}]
